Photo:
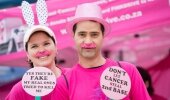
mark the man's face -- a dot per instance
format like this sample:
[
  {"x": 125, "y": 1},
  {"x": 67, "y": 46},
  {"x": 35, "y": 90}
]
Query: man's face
[{"x": 88, "y": 38}]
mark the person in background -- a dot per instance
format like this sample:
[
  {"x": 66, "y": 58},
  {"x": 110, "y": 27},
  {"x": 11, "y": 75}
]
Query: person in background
[
  {"x": 88, "y": 29},
  {"x": 148, "y": 83},
  {"x": 40, "y": 46}
]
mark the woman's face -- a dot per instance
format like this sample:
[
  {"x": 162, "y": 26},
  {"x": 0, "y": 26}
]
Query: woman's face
[{"x": 41, "y": 50}]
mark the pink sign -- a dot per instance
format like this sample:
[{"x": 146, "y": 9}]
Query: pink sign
[
  {"x": 38, "y": 81},
  {"x": 115, "y": 83}
]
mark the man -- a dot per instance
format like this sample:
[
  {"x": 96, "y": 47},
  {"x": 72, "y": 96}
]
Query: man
[{"x": 83, "y": 81}]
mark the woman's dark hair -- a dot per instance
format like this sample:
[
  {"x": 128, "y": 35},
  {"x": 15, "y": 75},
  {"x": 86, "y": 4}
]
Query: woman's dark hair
[
  {"x": 101, "y": 27},
  {"x": 26, "y": 47},
  {"x": 146, "y": 77}
]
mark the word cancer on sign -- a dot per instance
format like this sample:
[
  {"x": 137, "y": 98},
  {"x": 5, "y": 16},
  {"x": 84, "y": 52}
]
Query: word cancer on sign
[{"x": 122, "y": 82}]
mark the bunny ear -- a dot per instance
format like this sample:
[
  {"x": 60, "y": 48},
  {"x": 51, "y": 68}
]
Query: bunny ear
[
  {"x": 42, "y": 12},
  {"x": 27, "y": 13}
]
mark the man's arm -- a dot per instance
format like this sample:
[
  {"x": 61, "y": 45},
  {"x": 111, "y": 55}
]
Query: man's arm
[
  {"x": 61, "y": 91},
  {"x": 138, "y": 88}
]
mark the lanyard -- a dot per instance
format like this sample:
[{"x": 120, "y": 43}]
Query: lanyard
[{"x": 37, "y": 98}]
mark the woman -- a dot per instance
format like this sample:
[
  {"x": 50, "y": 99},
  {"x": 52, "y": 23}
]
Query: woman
[{"x": 40, "y": 46}]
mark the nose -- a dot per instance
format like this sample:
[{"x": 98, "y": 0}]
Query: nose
[
  {"x": 41, "y": 49},
  {"x": 88, "y": 40}
]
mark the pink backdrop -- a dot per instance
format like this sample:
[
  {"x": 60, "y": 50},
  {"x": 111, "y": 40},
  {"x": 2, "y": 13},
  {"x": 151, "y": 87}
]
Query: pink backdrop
[{"x": 121, "y": 14}]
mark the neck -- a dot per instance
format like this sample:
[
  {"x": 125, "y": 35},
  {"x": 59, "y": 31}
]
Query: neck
[
  {"x": 92, "y": 62},
  {"x": 55, "y": 70}
]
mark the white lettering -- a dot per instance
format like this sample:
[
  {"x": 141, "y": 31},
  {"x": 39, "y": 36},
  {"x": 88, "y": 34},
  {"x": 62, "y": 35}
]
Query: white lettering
[{"x": 124, "y": 17}]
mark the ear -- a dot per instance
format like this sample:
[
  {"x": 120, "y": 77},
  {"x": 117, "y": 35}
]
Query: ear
[
  {"x": 56, "y": 50},
  {"x": 27, "y": 55},
  {"x": 27, "y": 13},
  {"x": 147, "y": 84},
  {"x": 42, "y": 12}
]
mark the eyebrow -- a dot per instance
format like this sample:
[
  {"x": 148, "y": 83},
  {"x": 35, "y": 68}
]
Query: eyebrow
[
  {"x": 31, "y": 45},
  {"x": 42, "y": 42},
  {"x": 82, "y": 32},
  {"x": 90, "y": 32},
  {"x": 95, "y": 32}
]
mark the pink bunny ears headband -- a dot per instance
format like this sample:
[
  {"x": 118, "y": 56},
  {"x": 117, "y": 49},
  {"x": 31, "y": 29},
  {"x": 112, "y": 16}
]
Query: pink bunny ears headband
[
  {"x": 42, "y": 14},
  {"x": 28, "y": 15}
]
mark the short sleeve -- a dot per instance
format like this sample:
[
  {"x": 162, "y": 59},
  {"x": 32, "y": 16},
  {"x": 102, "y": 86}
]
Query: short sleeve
[{"x": 138, "y": 89}]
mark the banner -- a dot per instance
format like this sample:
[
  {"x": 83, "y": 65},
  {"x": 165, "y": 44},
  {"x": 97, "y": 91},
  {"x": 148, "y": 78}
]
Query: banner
[{"x": 125, "y": 16}]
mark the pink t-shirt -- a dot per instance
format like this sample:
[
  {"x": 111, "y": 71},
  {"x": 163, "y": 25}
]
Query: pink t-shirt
[
  {"x": 18, "y": 93},
  {"x": 83, "y": 83}
]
